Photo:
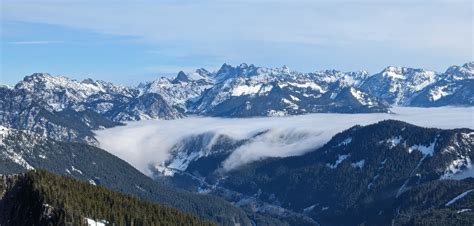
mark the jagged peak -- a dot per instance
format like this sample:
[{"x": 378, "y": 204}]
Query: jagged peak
[
  {"x": 407, "y": 73},
  {"x": 399, "y": 69},
  {"x": 39, "y": 75},
  {"x": 330, "y": 72},
  {"x": 469, "y": 65},
  {"x": 225, "y": 66},
  {"x": 363, "y": 71},
  {"x": 181, "y": 77},
  {"x": 88, "y": 81},
  {"x": 243, "y": 65},
  {"x": 465, "y": 69},
  {"x": 228, "y": 71},
  {"x": 393, "y": 72},
  {"x": 393, "y": 68},
  {"x": 202, "y": 71},
  {"x": 44, "y": 79}
]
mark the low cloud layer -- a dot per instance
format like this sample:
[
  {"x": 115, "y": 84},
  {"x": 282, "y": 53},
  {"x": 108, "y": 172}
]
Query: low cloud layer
[{"x": 148, "y": 142}]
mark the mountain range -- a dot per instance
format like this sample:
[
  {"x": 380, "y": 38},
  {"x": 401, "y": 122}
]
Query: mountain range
[
  {"x": 46, "y": 104},
  {"x": 389, "y": 172},
  {"x": 248, "y": 90}
]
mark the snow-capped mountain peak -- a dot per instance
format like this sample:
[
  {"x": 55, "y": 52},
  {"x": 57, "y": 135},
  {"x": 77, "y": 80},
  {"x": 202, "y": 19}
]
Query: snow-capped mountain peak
[
  {"x": 61, "y": 92},
  {"x": 47, "y": 104},
  {"x": 405, "y": 73},
  {"x": 454, "y": 87},
  {"x": 184, "y": 87},
  {"x": 45, "y": 81},
  {"x": 393, "y": 72},
  {"x": 399, "y": 84},
  {"x": 228, "y": 71},
  {"x": 247, "y": 90},
  {"x": 181, "y": 77},
  {"x": 465, "y": 71}
]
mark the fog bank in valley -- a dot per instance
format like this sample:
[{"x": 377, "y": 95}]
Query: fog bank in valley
[{"x": 148, "y": 142}]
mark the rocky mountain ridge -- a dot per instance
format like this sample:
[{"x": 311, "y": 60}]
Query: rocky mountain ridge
[{"x": 69, "y": 110}]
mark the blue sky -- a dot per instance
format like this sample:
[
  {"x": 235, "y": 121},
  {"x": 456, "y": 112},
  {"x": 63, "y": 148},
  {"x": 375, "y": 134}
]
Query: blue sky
[{"x": 132, "y": 41}]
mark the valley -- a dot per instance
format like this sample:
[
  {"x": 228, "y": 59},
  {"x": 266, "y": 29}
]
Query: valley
[
  {"x": 250, "y": 145},
  {"x": 236, "y": 113}
]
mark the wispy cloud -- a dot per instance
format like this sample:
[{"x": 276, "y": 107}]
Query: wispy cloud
[
  {"x": 147, "y": 143},
  {"x": 332, "y": 33},
  {"x": 32, "y": 42}
]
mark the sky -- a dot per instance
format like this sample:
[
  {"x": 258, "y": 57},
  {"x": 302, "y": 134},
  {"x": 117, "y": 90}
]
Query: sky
[{"x": 128, "y": 42}]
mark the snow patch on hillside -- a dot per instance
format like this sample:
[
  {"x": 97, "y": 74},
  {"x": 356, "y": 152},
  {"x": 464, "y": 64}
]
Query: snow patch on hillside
[
  {"x": 246, "y": 90},
  {"x": 361, "y": 97},
  {"x": 425, "y": 150},
  {"x": 358, "y": 164},
  {"x": 438, "y": 93},
  {"x": 393, "y": 142},
  {"x": 339, "y": 160},
  {"x": 92, "y": 222}
]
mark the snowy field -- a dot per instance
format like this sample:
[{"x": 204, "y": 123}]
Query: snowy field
[{"x": 148, "y": 142}]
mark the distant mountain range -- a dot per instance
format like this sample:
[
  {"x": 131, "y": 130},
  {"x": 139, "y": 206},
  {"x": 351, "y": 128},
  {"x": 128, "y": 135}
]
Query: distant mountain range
[
  {"x": 69, "y": 110},
  {"x": 248, "y": 90}
]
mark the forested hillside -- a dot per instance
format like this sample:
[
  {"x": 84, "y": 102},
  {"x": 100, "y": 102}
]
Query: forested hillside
[
  {"x": 386, "y": 172},
  {"x": 23, "y": 150},
  {"x": 42, "y": 198}
]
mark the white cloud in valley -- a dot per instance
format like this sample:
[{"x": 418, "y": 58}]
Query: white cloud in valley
[{"x": 149, "y": 142}]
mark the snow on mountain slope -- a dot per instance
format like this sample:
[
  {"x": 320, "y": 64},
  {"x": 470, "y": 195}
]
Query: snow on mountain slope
[
  {"x": 68, "y": 110},
  {"x": 389, "y": 158},
  {"x": 466, "y": 71},
  {"x": 183, "y": 88},
  {"x": 281, "y": 91},
  {"x": 398, "y": 85},
  {"x": 60, "y": 92},
  {"x": 456, "y": 87},
  {"x": 247, "y": 90},
  {"x": 117, "y": 103},
  {"x": 46, "y": 104},
  {"x": 344, "y": 177}
]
